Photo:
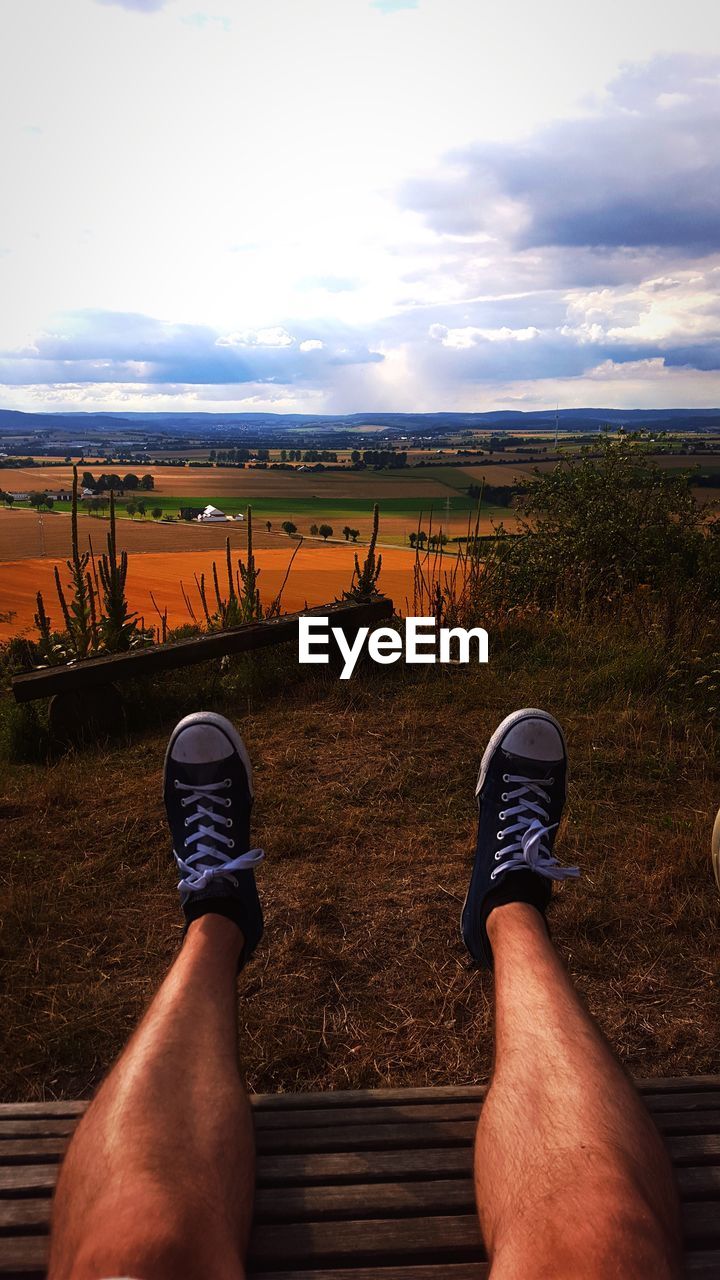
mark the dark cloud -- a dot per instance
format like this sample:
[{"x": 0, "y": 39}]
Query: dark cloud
[
  {"x": 641, "y": 171},
  {"x": 99, "y": 346}
]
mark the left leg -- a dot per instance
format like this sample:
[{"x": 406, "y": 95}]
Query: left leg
[{"x": 158, "y": 1180}]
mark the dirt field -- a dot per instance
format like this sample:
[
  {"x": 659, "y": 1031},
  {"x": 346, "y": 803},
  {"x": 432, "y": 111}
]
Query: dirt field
[
  {"x": 25, "y": 535},
  {"x": 186, "y": 482},
  {"x": 318, "y": 575}
]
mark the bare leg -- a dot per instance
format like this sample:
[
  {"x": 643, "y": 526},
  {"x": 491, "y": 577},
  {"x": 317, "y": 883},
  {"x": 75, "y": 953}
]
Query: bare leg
[
  {"x": 158, "y": 1180},
  {"x": 571, "y": 1177}
]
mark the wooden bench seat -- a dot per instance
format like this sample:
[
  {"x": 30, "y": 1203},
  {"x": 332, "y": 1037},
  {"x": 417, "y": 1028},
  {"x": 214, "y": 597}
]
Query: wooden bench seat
[{"x": 363, "y": 1185}]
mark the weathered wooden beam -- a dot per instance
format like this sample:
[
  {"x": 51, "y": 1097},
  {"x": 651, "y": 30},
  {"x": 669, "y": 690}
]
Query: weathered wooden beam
[{"x": 93, "y": 672}]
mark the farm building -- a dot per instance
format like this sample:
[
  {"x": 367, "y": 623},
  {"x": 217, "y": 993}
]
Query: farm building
[{"x": 212, "y": 515}]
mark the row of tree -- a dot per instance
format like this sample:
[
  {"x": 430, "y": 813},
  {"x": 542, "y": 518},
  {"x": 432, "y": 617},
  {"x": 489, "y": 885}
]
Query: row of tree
[
  {"x": 316, "y": 530},
  {"x": 118, "y": 484}
]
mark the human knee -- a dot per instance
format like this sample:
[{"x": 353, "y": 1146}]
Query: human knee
[{"x": 155, "y": 1238}]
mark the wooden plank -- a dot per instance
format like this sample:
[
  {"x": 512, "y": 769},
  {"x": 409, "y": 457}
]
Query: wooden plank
[
  {"x": 23, "y": 1255},
  {"x": 701, "y": 1220},
  {"x": 372, "y": 1155},
  {"x": 322, "y": 1117},
  {"x": 447, "y": 1271},
  {"x": 703, "y": 1126},
  {"x": 448, "y": 1093},
  {"x": 49, "y": 1128},
  {"x": 698, "y": 1149},
  {"x": 367, "y": 1137},
  {"x": 387, "y": 1126},
  {"x": 27, "y": 1178},
  {"x": 701, "y": 1266},
  {"x": 358, "y": 1166},
  {"x": 379, "y": 1240},
  {"x": 18, "y": 1110},
  {"x": 692, "y": 1091},
  {"x": 695, "y": 1184},
  {"x": 18, "y": 1214},
  {"x": 182, "y": 653},
  {"x": 36, "y": 1151}
]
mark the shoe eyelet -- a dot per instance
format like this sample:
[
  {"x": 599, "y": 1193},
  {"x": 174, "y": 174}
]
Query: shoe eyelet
[
  {"x": 504, "y": 797},
  {"x": 494, "y": 873},
  {"x": 551, "y": 781},
  {"x": 501, "y": 816},
  {"x": 176, "y": 785},
  {"x": 231, "y": 844},
  {"x": 501, "y": 835},
  {"x": 228, "y": 803},
  {"x": 498, "y": 855},
  {"x": 228, "y": 822},
  {"x": 506, "y": 777},
  {"x": 227, "y": 782},
  {"x": 187, "y": 822}
]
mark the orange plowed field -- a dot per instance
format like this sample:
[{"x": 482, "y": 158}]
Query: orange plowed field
[{"x": 319, "y": 574}]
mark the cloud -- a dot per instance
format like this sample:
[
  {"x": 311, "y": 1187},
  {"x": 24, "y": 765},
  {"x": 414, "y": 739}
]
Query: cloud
[
  {"x": 641, "y": 171},
  {"x": 394, "y": 6},
  {"x": 140, "y": 6},
  {"x": 119, "y": 347}
]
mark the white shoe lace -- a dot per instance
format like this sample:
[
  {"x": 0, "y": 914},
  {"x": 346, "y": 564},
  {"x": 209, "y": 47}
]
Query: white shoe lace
[
  {"x": 197, "y": 873},
  {"x": 530, "y": 831}
]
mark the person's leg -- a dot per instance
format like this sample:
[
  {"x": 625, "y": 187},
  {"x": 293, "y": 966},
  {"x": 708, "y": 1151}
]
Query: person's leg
[
  {"x": 158, "y": 1179},
  {"x": 572, "y": 1179}
]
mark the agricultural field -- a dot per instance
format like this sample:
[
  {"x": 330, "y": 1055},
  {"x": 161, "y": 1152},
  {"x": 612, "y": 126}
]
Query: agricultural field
[{"x": 318, "y": 576}]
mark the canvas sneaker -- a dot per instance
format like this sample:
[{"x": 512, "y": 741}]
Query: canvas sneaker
[
  {"x": 208, "y": 792},
  {"x": 520, "y": 794}
]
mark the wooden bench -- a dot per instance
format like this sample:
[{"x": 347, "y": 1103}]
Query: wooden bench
[
  {"x": 367, "y": 1185},
  {"x": 73, "y": 708}
]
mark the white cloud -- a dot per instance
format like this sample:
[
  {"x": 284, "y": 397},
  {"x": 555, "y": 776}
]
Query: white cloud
[
  {"x": 248, "y": 186},
  {"x": 274, "y": 337}
]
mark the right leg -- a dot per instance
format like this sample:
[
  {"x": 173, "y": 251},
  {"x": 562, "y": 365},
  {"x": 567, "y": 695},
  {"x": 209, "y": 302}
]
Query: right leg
[{"x": 572, "y": 1179}]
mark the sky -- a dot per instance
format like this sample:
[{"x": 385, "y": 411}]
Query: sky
[{"x": 328, "y": 206}]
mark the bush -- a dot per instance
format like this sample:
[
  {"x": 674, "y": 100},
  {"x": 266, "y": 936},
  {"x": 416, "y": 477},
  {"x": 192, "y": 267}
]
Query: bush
[{"x": 597, "y": 532}]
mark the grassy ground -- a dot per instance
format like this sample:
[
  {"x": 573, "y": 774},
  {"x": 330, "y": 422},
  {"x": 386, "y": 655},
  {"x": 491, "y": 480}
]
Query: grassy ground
[{"x": 365, "y": 810}]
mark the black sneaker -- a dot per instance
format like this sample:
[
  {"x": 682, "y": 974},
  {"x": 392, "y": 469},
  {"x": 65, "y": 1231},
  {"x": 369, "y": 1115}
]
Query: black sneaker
[
  {"x": 520, "y": 794},
  {"x": 208, "y": 795}
]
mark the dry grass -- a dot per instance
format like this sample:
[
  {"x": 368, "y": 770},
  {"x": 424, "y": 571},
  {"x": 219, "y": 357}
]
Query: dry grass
[{"x": 365, "y": 810}]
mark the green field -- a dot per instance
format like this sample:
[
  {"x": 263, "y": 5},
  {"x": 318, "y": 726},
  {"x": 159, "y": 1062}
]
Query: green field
[{"x": 401, "y": 515}]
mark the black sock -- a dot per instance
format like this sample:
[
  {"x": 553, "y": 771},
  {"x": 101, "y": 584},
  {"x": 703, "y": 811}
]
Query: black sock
[{"x": 517, "y": 886}]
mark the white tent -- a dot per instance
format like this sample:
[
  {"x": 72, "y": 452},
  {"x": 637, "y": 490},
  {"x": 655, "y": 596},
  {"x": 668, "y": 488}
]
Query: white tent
[{"x": 211, "y": 515}]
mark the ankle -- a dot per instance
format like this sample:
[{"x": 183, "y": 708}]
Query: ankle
[
  {"x": 511, "y": 917},
  {"x": 218, "y": 931}
]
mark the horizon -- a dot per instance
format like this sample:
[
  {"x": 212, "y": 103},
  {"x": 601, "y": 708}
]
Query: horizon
[{"x": 297, "y": 207}]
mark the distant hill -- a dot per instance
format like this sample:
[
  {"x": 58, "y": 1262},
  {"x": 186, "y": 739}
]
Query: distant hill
[{"x": 185, "y": 424}]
